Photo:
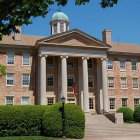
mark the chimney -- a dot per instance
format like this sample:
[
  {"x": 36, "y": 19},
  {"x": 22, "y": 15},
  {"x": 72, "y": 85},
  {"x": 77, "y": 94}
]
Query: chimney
[
  {"x": 17, "y": 36},
  {"x": 107, "y": 36}
]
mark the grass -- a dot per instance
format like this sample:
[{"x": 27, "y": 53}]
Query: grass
[{"x": 28, "y": 138}]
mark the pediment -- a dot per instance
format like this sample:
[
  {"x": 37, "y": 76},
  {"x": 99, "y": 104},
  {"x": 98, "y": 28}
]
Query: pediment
[{"x": 74, "y": 38}]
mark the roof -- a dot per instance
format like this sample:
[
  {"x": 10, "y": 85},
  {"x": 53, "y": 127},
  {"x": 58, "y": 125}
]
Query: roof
[
  {"x": 59, "y": 16},
  {"x": 27, "y": 40},
  {"x": 124, "y": 48}
]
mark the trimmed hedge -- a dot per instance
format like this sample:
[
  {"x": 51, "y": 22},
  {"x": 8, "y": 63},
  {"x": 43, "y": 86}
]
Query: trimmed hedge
[
  {"x": 74, "y": 121},
  {"x": 21, "y": 120},
  {"x": 136, "y": 114},
  {"x": 127, "y": 113}
]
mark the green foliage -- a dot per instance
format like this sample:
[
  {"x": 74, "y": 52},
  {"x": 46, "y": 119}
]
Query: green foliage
[
  {"x": 136, "y": 114},
  {"x": 127, "y": 113},
  {"x": 21, "y": 120},
  {"x": 2, "y": 69},
  {"x": 18, "y": 12},
  {"x": 74, "y": 121}
]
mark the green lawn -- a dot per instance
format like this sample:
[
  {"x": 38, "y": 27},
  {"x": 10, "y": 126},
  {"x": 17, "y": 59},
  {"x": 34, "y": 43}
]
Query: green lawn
[{"x": 28, "y": 138}]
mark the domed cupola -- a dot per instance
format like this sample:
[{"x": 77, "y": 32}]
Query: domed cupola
[{"x": 59, "y": 23}]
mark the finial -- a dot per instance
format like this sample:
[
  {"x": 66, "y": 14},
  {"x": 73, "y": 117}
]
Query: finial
[{"x": 59, "y": 9}]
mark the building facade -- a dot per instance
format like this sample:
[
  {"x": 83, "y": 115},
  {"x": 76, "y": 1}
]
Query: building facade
[{"x": 40, "y": 70}]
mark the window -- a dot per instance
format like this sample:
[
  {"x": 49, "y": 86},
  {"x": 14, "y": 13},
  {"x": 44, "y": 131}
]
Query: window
[
  {"x": 122, "y": 64},
  {"x": 91, "y": 103},
  {"x": 50, "y": 62},
  {"x": 55, "y": 28},
  {"x": 70, "y": 80},
  {"x": 10, "y": 79},
  {"x": 70, "y": 64},
  {"x": 10, "y": 58},
  {"x": 50, "y": 80},
  {"x": 9, "y": 100},
  {"x": 25, "y": 59},
  {"x": 123, "y": 82},
  {"x": 124, "y": 102},
  {"x": 112, "y": 103},
  {"x": 90, "y": 63},
  {"x": 25, "y": 101},
  {"x": 136, "y": 102},
  {"x": 135, "y": 82},
  {"x": 25, "y": 79},
  {"x": 111, "y": 82},
  {"x": 50, "y": 101},
  {"x": 90, "y": 81},
  {"x": 134, "y": 64},
  {"x": 110, "y": 64},
  {"x": 61, "y": 27}
]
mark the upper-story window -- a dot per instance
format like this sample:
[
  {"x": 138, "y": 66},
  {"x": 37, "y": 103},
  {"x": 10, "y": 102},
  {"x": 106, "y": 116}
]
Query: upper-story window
[
  {"x": 90, "y": 63},
  {"x": 10, "y": 58},
  {"x": 123, "y": 82},
  {"x": 61, "y": 27},
  {"x": 122, "y": 64},
  {"x": 10, "y": 79},
  {"x": 70, "y": 63},
  {"x": 111, "y": 82},
  {"x": 50, "y": 62},
  {"x": 70, "y": 80},
  {"x": 25, "y": 79},
  {"x": 124, "y": 102},
  {"x": 55, "y": 28},
  {"x": 90, "y": 81},
  {"x": 50, "y": 80},
  {"x": 134, "y": 64},
  {"x": 25, "y": 59},
  {"x": 135, "y": 82},
  {"x": 110, "y": 64}
]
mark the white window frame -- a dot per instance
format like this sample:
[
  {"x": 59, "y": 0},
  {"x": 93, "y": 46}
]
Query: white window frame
[
  {"x": 132, "y": 60},
  {"x": 25, "y": 54},
  {"x": 11, "y": 53},
  {"x": 108, "y": 64},
  {"x": 111, "y": 83},
  {"x": 133, "y": 83},
  {"x": 93, "y": 99},
  {"x": 47, "y": 80},
  {"x": 123, "y": 86},
  {"x": 9, "y": 79},
  {"x": 28, "y": 79},
  {"x": 52, "y": 99},
  {"x": 135, "y": 103},
  {"x": 126, "y": 102},
  {"x": 25, "y": 97},
  {"x": 6, "y": 100},
  {"x": 73, "y": 80},
  {"x": 112, "y": 104},
  {"x": 123, "y": 69}
]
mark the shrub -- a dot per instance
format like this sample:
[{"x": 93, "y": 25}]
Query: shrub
[
  {"x": 21, "y": 120},
  {"x": 127, "y": 113},
  {"x": 74, "y": 121},
  {"x": 136, "y": 114}
]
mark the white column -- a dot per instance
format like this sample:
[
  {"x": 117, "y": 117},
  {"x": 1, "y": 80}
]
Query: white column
[
  {"x": 58, "y": 27},
  {"x": 85, "y": 84},
  {"x": 104, "y": 86},
  {"x": 82, "y": 104},
  {"x": 43, "y": 80},
  {"x": 64, "y": 76}
]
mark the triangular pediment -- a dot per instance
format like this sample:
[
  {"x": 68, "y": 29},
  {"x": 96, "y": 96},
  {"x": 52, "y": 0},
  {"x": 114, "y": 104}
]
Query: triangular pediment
[{"x": 74, "y": 38}]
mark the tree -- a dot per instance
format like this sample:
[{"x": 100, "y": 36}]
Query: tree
[
  {"x": 2, "y": 70},
  {"x": 18, "y": 12}
]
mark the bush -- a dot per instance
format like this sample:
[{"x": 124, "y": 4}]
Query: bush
[
  {"x": 21, "y": 120},
  {"x": 74, "y": 121},
  {"x": 127, "y": 113},
  {"x": 136, "y": 114}
]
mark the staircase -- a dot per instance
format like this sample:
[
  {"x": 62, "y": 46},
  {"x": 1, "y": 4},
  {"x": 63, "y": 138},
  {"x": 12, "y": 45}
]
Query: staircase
[{"x": 100, "y": 126}]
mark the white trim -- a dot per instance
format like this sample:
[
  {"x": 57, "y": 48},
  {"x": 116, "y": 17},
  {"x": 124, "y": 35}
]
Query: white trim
[
  {"x": 25, "y": 97},
  {"x": 13, "y": 80},
  {"x": 9, "y": 96},
  {"x": 137, "y": 81},
  {"x": 125, "y": 81},
  {"x": 26, "y": 53},
  {"x": 111, "y": 59},
  {"x": 22, "y": 80},
  {"x": 120, "y": 63},
  {"x": 7, "y": 58},
  {"x": 108, "y": 83},
  {"x": 136, "y": 64}
]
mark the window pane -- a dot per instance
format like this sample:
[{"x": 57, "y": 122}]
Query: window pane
[
  {"x": 50, "y": 101},
  {"x": 10, "y": 57},
  {"x": 26, "y": 59},
  {"x": 70, "y": 81},
  {"x": 134, "y": 64},
  {"x": 50, "y": 80},
  {"x": 110, "y": 64},
  {"x": 50, "y": 62},
  {"x": 25, "y": 101},
  {"x": 55, "y": 28},
  {"x": 90, "y": 82},
  {"x": 112, "y": 103},
  {"x": 70, "y": 64},
  {"x": 135, "y": 82},
  {"x": 61, "y": 27},
  {"x": 124, "y": 102},
  {"x": 111, "y": 82},
  {"x": 91, "y": 103},
  {"x": 25, "y": 79},
  {"x": 10, "y": 79},
  {"x": 9, "y": 100},
  {"x": 90, "y": 63},
  {"x": 136, "y": 102},
  {"x": 122, "y": 64},
  {"x": 123, "y": 82}
]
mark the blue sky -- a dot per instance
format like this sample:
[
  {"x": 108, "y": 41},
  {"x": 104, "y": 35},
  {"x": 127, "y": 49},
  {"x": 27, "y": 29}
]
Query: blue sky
[{"x": 123, "y": 19}]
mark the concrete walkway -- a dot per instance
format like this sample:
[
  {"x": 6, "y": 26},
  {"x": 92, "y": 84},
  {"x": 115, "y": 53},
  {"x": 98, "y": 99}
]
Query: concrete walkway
[{"x": 98, "y": 127}]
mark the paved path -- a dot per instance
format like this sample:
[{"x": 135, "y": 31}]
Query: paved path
[{"x": 98, "y": 127}]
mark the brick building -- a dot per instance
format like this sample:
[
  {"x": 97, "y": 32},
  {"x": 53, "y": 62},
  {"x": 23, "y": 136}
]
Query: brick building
[{"x": 40, "y": 70}]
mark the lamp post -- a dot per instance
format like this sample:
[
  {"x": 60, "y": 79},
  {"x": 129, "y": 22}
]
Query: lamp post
[{"x": 63, "y": 117}]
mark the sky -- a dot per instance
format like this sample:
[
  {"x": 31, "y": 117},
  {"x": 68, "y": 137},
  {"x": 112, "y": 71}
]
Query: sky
[{"x": 122, "y": 19}]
